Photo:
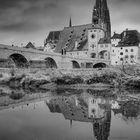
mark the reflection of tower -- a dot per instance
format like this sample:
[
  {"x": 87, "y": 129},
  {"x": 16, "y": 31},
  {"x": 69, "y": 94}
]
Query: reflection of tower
[
  {"x": 102, "y": 128},
  {"x": 94, "y": 110}
]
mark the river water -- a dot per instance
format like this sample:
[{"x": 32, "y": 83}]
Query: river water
[{"x": 69, "y": 114}]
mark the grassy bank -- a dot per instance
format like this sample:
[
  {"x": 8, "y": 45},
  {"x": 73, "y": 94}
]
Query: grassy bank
[
  {"x": 68, "y": 78},
  {"x": 108, "y": 78}
]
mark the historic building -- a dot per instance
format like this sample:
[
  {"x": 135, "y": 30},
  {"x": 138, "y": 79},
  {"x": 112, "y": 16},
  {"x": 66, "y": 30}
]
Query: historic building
[
  {"x": 86, "y": 41},
  {"x": 126, "y": 48}
]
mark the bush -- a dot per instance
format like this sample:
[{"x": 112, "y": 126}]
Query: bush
[
  {"x": 67, "y": 80},
  {"x": 134, "y": 82},
  {"x": 106, "y": 78}
]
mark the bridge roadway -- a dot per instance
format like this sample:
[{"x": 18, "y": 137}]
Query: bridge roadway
[{"x": 18, "y": 54}]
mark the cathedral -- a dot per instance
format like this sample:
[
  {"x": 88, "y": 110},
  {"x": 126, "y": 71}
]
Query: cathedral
[{"x": 91, "y": 40}]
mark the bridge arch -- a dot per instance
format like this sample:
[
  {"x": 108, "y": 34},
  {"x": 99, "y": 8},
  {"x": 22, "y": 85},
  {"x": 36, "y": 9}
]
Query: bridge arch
[
  {"x": 18, "y": 60},
  {"x": 100, "y": 65},
  {"x": 75, "y": 64},
  {"x": 50, "y": 63}
]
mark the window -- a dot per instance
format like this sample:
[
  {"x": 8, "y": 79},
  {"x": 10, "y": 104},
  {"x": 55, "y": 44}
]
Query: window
[
  {"x": 126, "y": 50},
  {"x": 132, "y": 50},
  {"x": 116, "y": 62},
  {"x": 102, "y": 46},
  {"x": 121, "y": 53},
  {"x": 121, "y": 48},
  {"x": 92, "y": 36},
  {"x": 84, "y": 30},
  {"x": 83, "y": 34},
  {"x": 93, "y": 55},
  {"x": 132, "y": 56},
  {"x": 121, "y": 59},
  {"x": 126, "y": 56}
]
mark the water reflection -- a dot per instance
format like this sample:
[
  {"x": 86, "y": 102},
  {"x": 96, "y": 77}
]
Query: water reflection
[
  {"x": 93, "y": 107},
  {"x": 96, "y": 111}
]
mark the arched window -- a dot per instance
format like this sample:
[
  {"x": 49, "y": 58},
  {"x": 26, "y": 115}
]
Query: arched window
[{"x": 132, "y": 56}]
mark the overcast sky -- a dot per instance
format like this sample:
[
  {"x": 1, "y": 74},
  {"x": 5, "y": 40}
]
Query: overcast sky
[{"x": 22, "y": 21}]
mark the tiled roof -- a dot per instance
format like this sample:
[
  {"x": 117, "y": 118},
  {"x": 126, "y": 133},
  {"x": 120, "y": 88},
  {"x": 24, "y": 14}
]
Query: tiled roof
[
  {"x": 30, "y": 45},
  {"x": 53, "y": 35},
  {"x": 130, "y": 38},
  {"x": 71, "y": 34},
  {"x": 116, "y": 36},
  {"x": 104, "y": 41}
]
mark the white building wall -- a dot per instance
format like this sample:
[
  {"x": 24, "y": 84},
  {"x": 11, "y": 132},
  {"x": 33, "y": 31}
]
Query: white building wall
[
  {"x": 94, "y": 35},
  {"x": 124, "y": 55}
]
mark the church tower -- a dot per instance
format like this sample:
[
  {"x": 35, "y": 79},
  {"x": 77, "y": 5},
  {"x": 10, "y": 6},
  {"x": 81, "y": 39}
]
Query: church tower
[{"x": 101, "y": 16}]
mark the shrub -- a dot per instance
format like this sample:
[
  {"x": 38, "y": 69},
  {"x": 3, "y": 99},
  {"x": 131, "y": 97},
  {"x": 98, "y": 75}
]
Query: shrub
[{"x": 67, "y": 80}]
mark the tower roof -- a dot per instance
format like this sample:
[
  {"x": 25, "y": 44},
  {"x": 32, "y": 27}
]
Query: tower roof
[
  {"x": 101, "y": 15},
  {"x": 98, "y": 4},
  {"x": 104, "y": 4}
]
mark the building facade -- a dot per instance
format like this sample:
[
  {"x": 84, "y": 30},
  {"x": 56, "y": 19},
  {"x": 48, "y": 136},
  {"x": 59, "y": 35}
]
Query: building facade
[
  {"x": 126, "y": 48},
  {"x": 87, "y": 41}
]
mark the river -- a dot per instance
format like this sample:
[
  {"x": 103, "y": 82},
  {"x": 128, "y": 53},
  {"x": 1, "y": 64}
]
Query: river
[{"x": 69, "y": 114}]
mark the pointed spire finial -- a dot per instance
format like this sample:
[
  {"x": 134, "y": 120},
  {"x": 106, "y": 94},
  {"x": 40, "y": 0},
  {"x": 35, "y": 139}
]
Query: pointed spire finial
[{"x": 70, "y": 23}]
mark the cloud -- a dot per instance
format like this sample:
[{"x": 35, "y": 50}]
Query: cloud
[
  {"x": 33, "y": 19},
  {"x": 28, "y": 15}
]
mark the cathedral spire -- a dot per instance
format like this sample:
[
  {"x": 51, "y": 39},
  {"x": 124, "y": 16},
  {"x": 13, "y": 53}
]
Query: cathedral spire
[
  {"x": 98, "y": 4},
  {"x": 70, "y": 23},
  {"x": 101, "y": 16},
  {"x": 104, "y": 3}
]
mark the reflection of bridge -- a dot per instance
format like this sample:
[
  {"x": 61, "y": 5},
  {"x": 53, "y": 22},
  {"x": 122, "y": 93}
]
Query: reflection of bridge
[{"x": 23, "y": 57}]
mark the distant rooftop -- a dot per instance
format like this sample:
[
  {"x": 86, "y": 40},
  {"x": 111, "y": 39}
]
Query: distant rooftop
[{"x": 128, "y": 38}]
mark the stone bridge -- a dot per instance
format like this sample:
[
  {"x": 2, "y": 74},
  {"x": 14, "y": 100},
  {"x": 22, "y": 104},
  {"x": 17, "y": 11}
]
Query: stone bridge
[{"x": 22, "y": 57}]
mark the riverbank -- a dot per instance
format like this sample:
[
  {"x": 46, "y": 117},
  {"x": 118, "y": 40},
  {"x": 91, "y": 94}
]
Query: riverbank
[{"x": 82, "y": 79}]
